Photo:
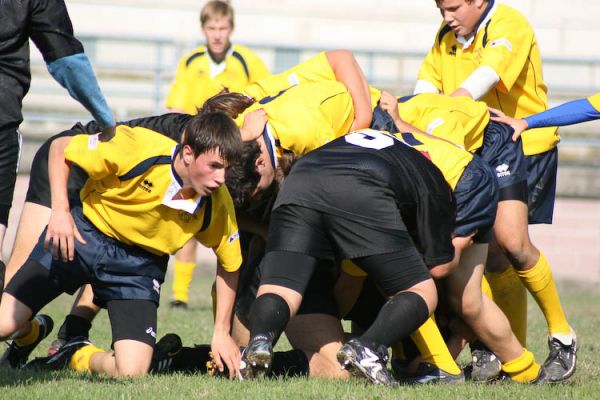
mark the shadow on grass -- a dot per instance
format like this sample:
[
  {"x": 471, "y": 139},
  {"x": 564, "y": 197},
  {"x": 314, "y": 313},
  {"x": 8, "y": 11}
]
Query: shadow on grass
[{"x": 21, "y": 377}]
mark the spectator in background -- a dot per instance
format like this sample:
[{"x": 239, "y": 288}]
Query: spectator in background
[
  {"x": 210, "y": 68},
  {"x": 47, "y": 23}
]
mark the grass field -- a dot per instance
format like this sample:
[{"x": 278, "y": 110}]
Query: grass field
[{"x": 581, "y": 302}]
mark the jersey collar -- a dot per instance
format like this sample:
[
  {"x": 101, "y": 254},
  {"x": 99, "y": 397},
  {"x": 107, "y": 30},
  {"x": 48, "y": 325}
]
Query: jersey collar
[
  {"x": 215, "y": 67},
  {"x": 467, "y": 41},
  {"x": 271, "y": 144},
  {"x": 188, "y": 205}
]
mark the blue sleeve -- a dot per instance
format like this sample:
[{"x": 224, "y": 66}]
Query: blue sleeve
[
  {"x": 75, "y": 74},
  {"x": 570, "y": 113}
]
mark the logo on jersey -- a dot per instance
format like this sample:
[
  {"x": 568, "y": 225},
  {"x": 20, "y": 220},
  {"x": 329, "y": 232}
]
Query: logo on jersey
[
  {"x": 146, "y": 186},
  {"x": 156, "y": 286},
  {"x": 150, "y": 331},
  {"x": 185, "y": 216},
  {"x": 93, "y": 142},
  {"x": 233, "y": 237},
  {"x": 502, "y": 170},
  {"x": 501, "y": 42},
  {"x": 452, "y": 51}
]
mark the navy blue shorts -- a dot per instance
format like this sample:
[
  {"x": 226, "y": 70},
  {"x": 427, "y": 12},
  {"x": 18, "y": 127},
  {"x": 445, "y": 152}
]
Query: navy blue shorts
[
  {"x": 541, "y": 182},
  {"x": 507, "y": 161},
  {"x": 115, "y": 270},
  {"x": 476, "y": 201}
]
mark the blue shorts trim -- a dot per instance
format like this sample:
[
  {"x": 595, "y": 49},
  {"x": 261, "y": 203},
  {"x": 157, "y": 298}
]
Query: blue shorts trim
[
  {"x": 542, "y": 170},
  {"x": 504, "y": 156},
  {"x": 115, "y": 270},
  {"x": 476, "y": 201}
]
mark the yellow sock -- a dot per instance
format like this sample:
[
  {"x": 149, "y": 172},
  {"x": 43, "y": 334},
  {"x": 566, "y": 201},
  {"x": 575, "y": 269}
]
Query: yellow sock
[
  {"x": 432, "y": 347},
  {"x": 31, "y": 337},
  {"x": 538, "y": 280},
  {"x": 523, "y": 368},
  {"x": 80, "y": 361},
  {"x": 182, "y": 278},
  {"x": 485, "y": 288},
  {"x": 510, "y": 295}
]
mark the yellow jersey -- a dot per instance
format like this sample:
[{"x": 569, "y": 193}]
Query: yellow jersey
[
  {"x": 595, "y": 101},
  {"x": 130, "y": 190},
  {"x": 306, "y": 116},
  {"x": 315, "y": 69},
  {"x": 505, "y": 42},
  {"x": 198, "y": 77}
]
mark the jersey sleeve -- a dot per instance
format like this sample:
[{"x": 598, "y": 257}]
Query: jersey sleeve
[
  {"x": 222, "y": 234},
  {"x": 52, "y": 31},
  {"x": 171, "y": 125},
  {"x": 507, "y": 50},
  {"x": 179, "y": 96},
  {"x": 595, "y": 101},
  {"x": 98, "y": 159}
]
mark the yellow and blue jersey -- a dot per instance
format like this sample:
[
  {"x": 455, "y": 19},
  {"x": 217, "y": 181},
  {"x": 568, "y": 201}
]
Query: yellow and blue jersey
[
  {"x": 306, "y": 116},
  {"x": 315, "y": 69},
  {"x": 129, "y": 196},
  {"x": 505, "y": 42},
  {"x": 449, "y": 158},
  {"x": 198, "y": 77}
]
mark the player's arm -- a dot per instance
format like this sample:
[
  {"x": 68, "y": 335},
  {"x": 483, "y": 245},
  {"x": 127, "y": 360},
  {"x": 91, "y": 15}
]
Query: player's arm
[
  {"x": 52, "y": 32},
  {"x": 389, "y": 103},
  {"x": 61, "y": 227},
  {"x": 572, "y": 112},
  {"x": 429, "y": 79},
  {"x": 348, "y": 72},
  {"x": 481, "y": 81},
  {"x": 225, "y": 350}
]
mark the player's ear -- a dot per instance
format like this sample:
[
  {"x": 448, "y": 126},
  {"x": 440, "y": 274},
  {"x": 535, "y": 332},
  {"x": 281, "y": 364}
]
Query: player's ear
[
  {"x": 187, "y": 154},
  {"x": 260, "y": 162}
]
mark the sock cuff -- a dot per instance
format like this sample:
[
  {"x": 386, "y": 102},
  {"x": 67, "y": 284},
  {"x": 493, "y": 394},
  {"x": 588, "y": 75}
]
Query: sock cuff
[
  {"x": 80, "y": 361},
  {"x": 32, "y": 336},
  {"x": 523, "y": 368}
]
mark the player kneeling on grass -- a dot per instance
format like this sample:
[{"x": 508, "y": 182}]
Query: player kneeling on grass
[{"x": 146, "y": 196}]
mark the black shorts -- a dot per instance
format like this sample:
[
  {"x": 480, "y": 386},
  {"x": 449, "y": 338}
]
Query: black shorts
[
  {"x": 318, "y": 297},
  {"x": 506, "y": 159},
  {"x": 10, "y": 143},
  {"x": 541, "y": 181},
  {"x": 115, "y": 270},
  {"x": 325, "y": 236},
  {"x": 35, "y": 286},
  {"x": 38, "y": 191},
  {"x": 476, "y": 201}
]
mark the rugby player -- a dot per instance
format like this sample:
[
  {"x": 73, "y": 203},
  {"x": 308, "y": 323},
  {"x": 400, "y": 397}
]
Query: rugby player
[{"x": 488, "y": 51}]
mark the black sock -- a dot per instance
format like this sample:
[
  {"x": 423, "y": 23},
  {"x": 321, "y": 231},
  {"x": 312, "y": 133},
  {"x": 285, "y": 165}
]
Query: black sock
[
  {"x": 289, "y": 364},
  {"x": 269, "y": 316},
  {"x": 398, "y": 318},
  {"x": 74, "y": 326}
]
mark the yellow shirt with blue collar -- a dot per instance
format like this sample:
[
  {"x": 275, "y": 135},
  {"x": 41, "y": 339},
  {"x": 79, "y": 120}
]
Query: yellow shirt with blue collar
[
  {"x": 129, "y": 196},
  {"x": 505, "y": 42},
  {"x": 315, "y": 69},
  {"x": 306, "y": 116},
  {"x": 199, "y": 77}
]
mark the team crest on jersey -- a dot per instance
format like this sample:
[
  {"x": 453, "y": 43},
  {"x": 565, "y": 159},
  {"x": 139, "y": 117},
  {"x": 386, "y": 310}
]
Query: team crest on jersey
[
  {"x": 146, "y": 186},
  {"x": 185, "y": 216},
  {"x": 502, "y": 170}
]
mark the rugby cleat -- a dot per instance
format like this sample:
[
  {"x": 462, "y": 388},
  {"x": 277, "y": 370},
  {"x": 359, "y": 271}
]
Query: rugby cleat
[
  {"x": 256, "y": 359},
  {"x": 16, "y": 356},
  {"x": 165, "y": 351},
  {"x": 560, "y": 364},
  {"x": 427, "y": 373},
  {"x": 62, "y": 358},
  {"x": 364, "y": 362},
  {"x": 485, "y": 366},
  {"x": 55, "y": 346},
  {"x": 178, "y": 304}
]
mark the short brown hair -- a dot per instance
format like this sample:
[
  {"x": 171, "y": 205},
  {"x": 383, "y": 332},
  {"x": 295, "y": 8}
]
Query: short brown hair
[
  {"x": 214, "y": 130},
  {"x": 229, "y": 103},
  {"x": 215, "y": 9}
]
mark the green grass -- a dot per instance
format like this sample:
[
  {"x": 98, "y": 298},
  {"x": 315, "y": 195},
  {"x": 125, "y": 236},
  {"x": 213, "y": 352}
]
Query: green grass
[{"x": 581, "y": 302}]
